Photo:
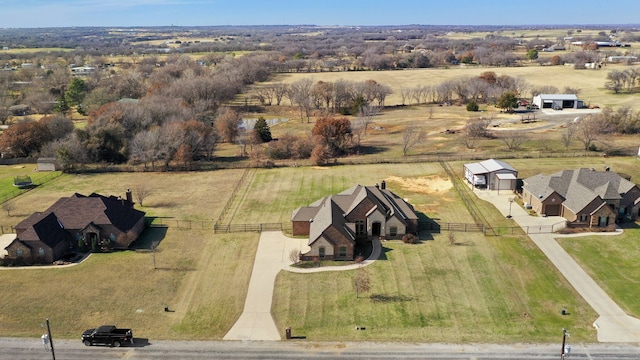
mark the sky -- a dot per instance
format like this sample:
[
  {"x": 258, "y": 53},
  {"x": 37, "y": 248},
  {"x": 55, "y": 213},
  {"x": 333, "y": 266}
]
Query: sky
[{"x": 66, "y": 13}]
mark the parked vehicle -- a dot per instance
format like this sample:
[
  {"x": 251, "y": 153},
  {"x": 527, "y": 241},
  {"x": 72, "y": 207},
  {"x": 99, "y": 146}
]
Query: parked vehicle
[{"x": 107, "y": 335}]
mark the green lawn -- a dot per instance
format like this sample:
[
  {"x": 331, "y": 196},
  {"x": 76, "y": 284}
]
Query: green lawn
[
  {"x": 612, "y": 261},
  {"x": 8, "y": 174},
  {"x": 486, "y": 289}
]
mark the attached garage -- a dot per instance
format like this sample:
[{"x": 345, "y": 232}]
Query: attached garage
[{"x": 552, "y": 210}]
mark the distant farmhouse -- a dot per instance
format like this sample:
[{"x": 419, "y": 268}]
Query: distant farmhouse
[
  {"x": 336, "y": 223},
  {"x": 585, "y": 197},
  {"x": 558, "y": 101},
  {"x": 76, "y": 223}
]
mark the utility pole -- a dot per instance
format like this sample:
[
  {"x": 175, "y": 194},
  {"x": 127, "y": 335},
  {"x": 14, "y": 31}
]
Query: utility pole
[{"x": 53, "y": 353}]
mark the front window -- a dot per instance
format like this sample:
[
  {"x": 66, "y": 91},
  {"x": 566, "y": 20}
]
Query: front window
[
  {"x": 342, "y": 251},
  {"x": 41, "y": 251},
  {"x": 583, "y": 218},
  {"x": 321, "y": 252},
  {"x": 604, "y": 221},
  {"x": 19, "y": 252},
  {"x": 393, "y": 230},
  {"x": 360, "y": 227}
]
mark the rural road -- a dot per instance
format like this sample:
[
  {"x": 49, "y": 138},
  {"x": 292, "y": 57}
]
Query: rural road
[{"x": 32, "y": 349}]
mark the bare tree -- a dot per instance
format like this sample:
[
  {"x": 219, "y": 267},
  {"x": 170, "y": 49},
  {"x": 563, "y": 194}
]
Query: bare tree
[
  {"x": 568, "y": 135},
  {"x": 365, "y": 116},
  {"x": 477, "y": 128},
  {"x": 141, "y": 190},
  {"x": 300, "y": 94},
  {"x": 590, "y": 129},
  {"x": 8, "y": 206},
  {"x": 411, "y": 137},
  {"x": 228, "y": 124},
  {"x": 616, "y": 80},
  {"x": 362, "y": 282},
  {"x": 452, "y": 237},
  {"x": 514, "y": 140}
]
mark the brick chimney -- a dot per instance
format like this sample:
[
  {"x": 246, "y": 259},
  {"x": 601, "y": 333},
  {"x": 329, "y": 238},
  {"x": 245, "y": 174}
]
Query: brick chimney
[{"x": 129, "y": 197}]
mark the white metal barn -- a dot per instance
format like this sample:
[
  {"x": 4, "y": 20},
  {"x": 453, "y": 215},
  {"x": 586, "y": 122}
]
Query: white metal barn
[
  {"x": 557, "y": 101},
  {"x": 498, "y": 174}
]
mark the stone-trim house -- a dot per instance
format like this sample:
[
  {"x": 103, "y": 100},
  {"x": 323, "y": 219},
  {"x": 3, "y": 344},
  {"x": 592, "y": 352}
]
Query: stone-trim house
[
  {"x": 585, "y": 197},
  {"x": 336, "y": 223},
  {"x": 75, "y": 222}
]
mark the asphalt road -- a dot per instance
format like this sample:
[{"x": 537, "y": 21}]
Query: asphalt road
[{"x": 32, "y": 349}]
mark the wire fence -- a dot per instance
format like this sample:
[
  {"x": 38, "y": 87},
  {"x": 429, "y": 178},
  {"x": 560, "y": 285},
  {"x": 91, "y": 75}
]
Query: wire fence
[
  {"x": 7, "y": 195},
  {"x": 471, "y": 205}
]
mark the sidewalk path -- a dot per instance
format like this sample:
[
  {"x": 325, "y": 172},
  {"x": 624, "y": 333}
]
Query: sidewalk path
[
  {"x": 613, "y": 324},
  {"x": 256, "y": 322}
]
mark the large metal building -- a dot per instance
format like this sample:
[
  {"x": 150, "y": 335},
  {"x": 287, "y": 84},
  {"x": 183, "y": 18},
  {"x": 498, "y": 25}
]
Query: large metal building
[
  {"x": 497, "y": 174},
  {"x": 557, "y": 101}
]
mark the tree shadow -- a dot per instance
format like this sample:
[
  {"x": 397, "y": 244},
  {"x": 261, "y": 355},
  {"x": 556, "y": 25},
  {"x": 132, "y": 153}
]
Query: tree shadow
[
  {"x": 369, "y": 149},
  {"x": 466, "y": 243},
  {"x": 389, "y": 298}
]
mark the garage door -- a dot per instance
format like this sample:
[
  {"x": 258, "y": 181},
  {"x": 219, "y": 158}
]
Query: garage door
[{"x": 552, "y": 210}]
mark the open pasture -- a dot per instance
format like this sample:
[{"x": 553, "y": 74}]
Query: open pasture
[{"x": 590, "y": 82}]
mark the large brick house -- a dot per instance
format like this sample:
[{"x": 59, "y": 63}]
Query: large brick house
[
  {"x": 336, "y": 223},
  {"x": 585, "y": 197},
  {"x": 73, "y": 223}
]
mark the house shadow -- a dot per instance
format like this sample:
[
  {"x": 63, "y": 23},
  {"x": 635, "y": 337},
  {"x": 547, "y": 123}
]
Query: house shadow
[
  {"x": 150, "y": 238},
  {"x": 383, "y": 253},
  {"x": 629, "y": 225}
]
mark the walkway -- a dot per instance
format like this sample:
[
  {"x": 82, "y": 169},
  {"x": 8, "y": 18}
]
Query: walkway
[
  {"x": 256, "y": 322},
  {"x": 613, "y": 324}
]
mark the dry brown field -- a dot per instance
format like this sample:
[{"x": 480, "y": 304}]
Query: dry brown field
[{"x": 590, "y": 82}]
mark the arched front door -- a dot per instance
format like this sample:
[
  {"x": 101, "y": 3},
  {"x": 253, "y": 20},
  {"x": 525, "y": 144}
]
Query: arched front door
[{"x": 375, "y": 229}]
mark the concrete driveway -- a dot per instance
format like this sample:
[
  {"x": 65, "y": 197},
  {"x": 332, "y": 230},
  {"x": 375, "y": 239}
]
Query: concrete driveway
[
  {"x": 613, "y": 324},
  {"x": 256, "y": 322}
]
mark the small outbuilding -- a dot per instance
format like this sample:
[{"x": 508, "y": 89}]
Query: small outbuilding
[
  {"x": 492, "y": 174},
  {"x": 557, "y": 101},
  {"x": 47, "y": 164}
]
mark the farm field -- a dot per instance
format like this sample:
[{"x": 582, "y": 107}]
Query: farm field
[{"x": 590, "y": 82}]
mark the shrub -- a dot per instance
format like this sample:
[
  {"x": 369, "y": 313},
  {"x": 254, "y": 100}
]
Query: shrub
[
  {"x": 410, "y": 239},
  {"x": 473, "y": 106}
]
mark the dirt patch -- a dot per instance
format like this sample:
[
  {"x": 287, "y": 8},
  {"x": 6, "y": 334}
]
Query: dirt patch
[
  {"x": 425, "y": 184},
  {"x": 320, "y": 167}
]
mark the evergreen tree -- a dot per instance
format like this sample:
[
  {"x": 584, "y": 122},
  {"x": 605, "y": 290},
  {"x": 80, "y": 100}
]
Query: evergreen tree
[
  {"x": 76, "y": 92},
  {"x": 262, "y": 129}
]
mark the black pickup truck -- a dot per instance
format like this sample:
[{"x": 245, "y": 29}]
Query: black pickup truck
[{"x": 108, "y": 335}]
